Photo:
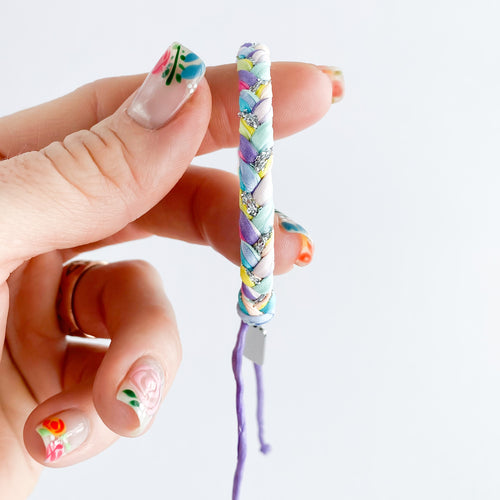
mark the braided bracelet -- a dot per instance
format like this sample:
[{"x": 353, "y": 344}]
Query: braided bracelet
[{"x": 256, "y": 300}]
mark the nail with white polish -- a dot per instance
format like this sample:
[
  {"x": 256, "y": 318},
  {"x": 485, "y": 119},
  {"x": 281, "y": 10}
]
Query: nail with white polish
[
  {"x": 172, "y": 81},
  {"x": 63, "y": 433},
  {"x": 142, "y": 390}
]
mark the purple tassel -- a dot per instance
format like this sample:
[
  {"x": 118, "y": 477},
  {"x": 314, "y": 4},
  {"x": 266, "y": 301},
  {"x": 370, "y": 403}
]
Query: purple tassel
[
  {"x": 264, "y": 447},
  {"x": 237, "y": 360},
  {"x": 242, "y": 440}
]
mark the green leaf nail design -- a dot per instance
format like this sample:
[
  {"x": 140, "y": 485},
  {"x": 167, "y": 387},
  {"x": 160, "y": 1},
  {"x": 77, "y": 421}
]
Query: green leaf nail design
[
  {"x": 43, "y": 431},
  {"x": 175, "y": 70},
  {"x": 133, "y": 399}
]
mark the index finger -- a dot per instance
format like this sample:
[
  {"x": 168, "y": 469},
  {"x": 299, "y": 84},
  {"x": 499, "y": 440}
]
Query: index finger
[{"x": 302, "y": 95}]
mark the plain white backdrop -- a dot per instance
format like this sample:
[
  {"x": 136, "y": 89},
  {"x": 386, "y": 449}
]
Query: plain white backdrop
[{"x": 383, "y": 367}]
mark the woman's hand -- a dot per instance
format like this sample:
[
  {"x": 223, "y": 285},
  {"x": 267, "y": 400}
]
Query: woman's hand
[{"x": 79, "y": 173}]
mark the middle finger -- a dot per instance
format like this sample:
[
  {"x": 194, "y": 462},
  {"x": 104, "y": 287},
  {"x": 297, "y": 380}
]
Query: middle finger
[
  {"x": 189, "y": 213},
  {"x": 302, "y": 95}
]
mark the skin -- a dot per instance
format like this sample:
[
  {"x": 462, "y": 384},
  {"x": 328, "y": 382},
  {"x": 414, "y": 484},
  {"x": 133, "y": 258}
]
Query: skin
[{"x": 76, "y": 174}]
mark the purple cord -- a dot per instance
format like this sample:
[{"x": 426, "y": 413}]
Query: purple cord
[
  {"x": 237, "y": 359},
  {"x": 242, "y": 442},
  {"x": 264, "y": 447}
]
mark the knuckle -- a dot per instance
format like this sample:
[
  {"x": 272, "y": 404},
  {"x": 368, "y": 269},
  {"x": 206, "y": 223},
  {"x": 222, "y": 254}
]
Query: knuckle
[
  {"x": 95, "y": 162},
  {"x": 100, "y": 150}
]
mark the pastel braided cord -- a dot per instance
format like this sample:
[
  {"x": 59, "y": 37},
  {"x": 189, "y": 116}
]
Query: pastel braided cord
[{"x": 256, "y": 300}]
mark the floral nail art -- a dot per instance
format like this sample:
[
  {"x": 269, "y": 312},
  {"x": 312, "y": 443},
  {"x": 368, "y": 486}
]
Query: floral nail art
[
  {"x": 179, "y": 63},
  {"x": 337, "y": 78},
  {"x": 62, "y": 435},
  {"x": 142, "y": 390},
  {"x": 171, "y": 82},
  {"x": 307, "y": 250}
]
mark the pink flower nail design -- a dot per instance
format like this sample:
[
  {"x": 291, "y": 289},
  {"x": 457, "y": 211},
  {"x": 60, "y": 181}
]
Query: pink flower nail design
[
  {"x": 142, "y": 390},
  {"x": 160, "y": 65},
  {"x": 54, "y": 451},
  {"x": 148, "y": 383}
]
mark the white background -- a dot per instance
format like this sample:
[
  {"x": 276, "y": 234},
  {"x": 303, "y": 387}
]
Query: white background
[{"x": 383, "y": 369}]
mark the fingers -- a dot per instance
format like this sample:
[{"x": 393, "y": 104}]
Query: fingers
[
  {"x": 296, "y": 106},
  {"x": 96, "y": 181},
  {"x": 189, "y": 213},
  {"x": 27, "y": 130},
  {"x": 66, "y": 428},
  {"x": 15, "y": 405},
  {"x": 302, "y": 95},
  {"x": 113, "y": 392},
  {"x": 125, "y": 301}
]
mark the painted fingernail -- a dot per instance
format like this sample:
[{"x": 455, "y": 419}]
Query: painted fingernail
[
  {"x": 63, "y": 433},
  {"x": 170, "y": 84},
  {"x": 337, "y": 78},
  {"x": 307, "y": 248},
  {"x": 142, "y": 390}
]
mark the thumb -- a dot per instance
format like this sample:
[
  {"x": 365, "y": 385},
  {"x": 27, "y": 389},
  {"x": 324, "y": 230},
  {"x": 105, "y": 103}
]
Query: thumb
[{"x": 96, "y": 181}]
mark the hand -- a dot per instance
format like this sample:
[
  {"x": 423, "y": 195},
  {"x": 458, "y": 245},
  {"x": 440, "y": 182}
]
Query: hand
[{"x": 107, "y": 179}]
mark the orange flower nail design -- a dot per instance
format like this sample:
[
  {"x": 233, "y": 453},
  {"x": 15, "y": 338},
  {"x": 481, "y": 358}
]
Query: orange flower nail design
[
  {"x": 55, "y": 425},
  {"x": 63, "y": 433}
]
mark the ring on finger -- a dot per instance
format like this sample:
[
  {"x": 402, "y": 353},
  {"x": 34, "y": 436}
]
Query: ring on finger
[{"x": 72, "y": 273}]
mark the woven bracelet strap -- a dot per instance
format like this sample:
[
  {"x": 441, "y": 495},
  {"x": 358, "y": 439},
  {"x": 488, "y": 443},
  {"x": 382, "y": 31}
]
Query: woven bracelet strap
[{"x": 256, "y": 300}]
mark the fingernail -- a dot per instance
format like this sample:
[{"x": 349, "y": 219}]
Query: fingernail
[
  {"x": 307, "y": 245},
  {"x": 337, "y": 78},
  {"x": 142, "y": 390},
  {"x": 63, "y": 433},
  {"x": 169, "y": 85}
]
